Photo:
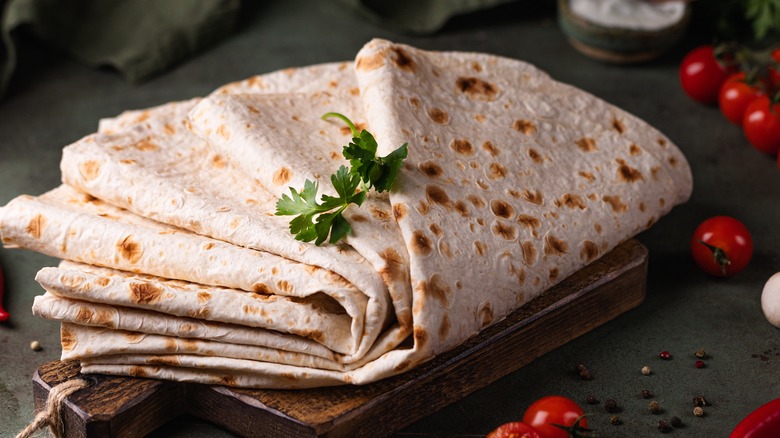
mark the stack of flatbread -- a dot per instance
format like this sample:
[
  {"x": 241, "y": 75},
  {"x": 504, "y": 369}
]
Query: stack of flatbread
[{"x": 176, "y": 267}]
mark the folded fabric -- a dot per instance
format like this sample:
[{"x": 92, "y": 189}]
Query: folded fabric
[
  {"x": 140, "y": 38},
  {"x": 179, "y": 268}
]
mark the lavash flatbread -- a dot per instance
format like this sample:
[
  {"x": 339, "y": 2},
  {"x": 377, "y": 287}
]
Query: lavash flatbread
[
  {"x": 513, "y": 182},
  {"x": 512, "y": 177}
]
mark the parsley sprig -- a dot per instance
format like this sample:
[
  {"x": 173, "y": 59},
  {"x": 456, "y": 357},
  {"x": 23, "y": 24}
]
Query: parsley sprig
[{"x": 323, "y": 220}]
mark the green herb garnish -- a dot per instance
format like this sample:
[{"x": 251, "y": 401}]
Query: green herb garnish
[{"x": 319, "y": 220}]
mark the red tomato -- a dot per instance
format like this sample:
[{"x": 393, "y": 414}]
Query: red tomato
[
  {"x": 722, "y": 246},
  {"x": 735, "y": 95},
  {"x": 764, "y": 422},
  {"x": 761, "y": 125},
  {"x": 515, "y": 429},
  {"x": 3, "y": 314},
  {"x": 774, "y": 71},
  {"x": 701, "y": 76},
  {"x": 548, "y": 411}
]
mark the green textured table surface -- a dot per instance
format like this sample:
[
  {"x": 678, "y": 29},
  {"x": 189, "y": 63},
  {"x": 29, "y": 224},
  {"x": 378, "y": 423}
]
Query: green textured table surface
[{"x": 54, "y": 101}]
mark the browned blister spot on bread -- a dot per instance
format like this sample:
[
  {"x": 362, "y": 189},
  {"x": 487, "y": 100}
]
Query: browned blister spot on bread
[
  {"x": 436, "y": 195},
  {"x": 536, "y": 156},
  {"x": 634, "y": 149},
  {"x": 485, "y": 314},
  {"x": 400, "y": 211},
  {"x": 527, "y": 127},
  {"x": 589, "y": 251},
  {"x": 35, "y": 226},
  {"x": 444, "y": 328},
  {"x": 530, "y": 254},
  {"x": 84, "y": 314},
  {"x": 476, "y": 89},
  {"x": 439, "y": 116},
  {"x": 144, "y": 293},
  {"x": 504, "y": 230},
  {"x": 370, "y": 62},
  {"x": 130, "y": 250},
  {"x": 462, "y": 146},
  {"x": 555, "y": 246},
  {"x": 586, "y": 144},
  {"x": 403, "y": 60},
  {"x": 421, "y": 244},
  {"x": 533, "y": 196},
  {"x": 480, "y": 248},
  {"x": 617, "y": 204},
  {"x": 528, "y": 221},
  {"x": 496, "y": 171},
  {"x": 89, "y": 170},
  {"x": 502, "y": 209},
  {"x": 618, "y": 125},
  {"x": 490, "y": 148},
  {"x": 394, "y": 266},
  {"x": 218, "y": 161},
  {"x": 67, "y": 338},
  {"x": 571, "y": 201},
  {"x": 282, "y": 176},
  {"x": 146, "y": 146},
  {"x": 627, "y": 173},
  {"x": 431, "y": 169},
  {"x": 437, "y": 289}
]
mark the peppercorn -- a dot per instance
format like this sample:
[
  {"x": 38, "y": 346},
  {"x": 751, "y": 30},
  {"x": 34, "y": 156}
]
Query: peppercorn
[
  {"x": 646, "y": 370},
  {"x": 646, "y": 393},
  {"x": 665, "y": 355},
  {"x": 615, "y": 420},
  {"x": 699, "y": 401},
  {"x": 583, "y": 372},
  {"x": 591, "y": 400},
  {"x": 700, "y": 354},
  {"x": 698, "y": 411},
  {"x": 663, "y": 426},
  {"x": 611, "y": 406},
  {"x": 654, "y": 407},
  {"x": 36, "y": 346},
  {"x": 699, "y": 364},
  {"x": 676, "y": 422}
]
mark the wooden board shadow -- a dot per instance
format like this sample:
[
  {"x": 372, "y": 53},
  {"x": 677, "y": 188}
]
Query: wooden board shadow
[{"x": 129, "y": 407}]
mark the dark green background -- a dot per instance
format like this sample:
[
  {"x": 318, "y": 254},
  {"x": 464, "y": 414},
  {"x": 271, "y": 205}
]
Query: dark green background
[{"x": 53, "y": 101}]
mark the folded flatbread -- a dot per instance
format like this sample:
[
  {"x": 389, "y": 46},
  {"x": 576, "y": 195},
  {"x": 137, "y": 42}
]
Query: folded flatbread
[{"x": 513, "y": 182}]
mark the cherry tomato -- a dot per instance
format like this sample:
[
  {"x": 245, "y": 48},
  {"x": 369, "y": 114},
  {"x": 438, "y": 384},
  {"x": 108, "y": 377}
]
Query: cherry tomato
[
  {"x": 3, "y": 314},
  {"x": 701, "y": 76},
  {"x": 515, "y": 429},
  {"x": 761, "y": 125},
  {"x": 735, "y": 95},
  {"x": 774, "y": 70},
  {"x": 546, "y": 412},
  {"x": 722, "y": 246},
  {"x": 764, "y": 422}
]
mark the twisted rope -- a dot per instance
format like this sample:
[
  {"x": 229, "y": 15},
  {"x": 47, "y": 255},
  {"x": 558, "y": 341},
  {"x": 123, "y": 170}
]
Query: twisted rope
[{"x": 51, "y": 413}]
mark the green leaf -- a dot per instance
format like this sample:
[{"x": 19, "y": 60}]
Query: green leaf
[{"x": 391, "y": 163}]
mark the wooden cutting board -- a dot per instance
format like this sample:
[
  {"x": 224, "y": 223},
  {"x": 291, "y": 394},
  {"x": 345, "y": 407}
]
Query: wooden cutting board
[{"x": 128, "y": 406}]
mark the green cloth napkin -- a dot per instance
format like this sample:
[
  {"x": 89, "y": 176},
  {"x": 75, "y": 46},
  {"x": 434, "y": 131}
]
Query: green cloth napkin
[
  {"x": 417, "y": 16},
  {"x": 140, "y": 38}
]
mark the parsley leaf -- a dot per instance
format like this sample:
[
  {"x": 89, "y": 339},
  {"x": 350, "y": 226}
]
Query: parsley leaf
[
  {"x": 323, "y": 220},
  {"x": 377, "y": 172}
]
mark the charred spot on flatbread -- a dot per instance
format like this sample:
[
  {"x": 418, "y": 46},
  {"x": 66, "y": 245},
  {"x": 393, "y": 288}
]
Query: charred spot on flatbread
[
  {"x": 627, "y": 173},
  {"x": 144, "y": 293},
  {"x": 618, "y": 125},
  {"x": 535, "y": 156},
  {"x": 89, "y": 170},
  {"x": 421, "y": 244},
  {"x": 555, "y": 246},
  {"x": 504, "y": 230},
  {"x": 586, "y": 144},
  {"x": 436, "y": 195},
  {"x": 35, "y": 226},
  {"x": 282, "y": 176},
  {"x": 570, "y": 201},
  {"x": 528, "y": 221},
  {"x": 527, "y": 127},
  {"x": 502, "y": 209},
  {"x": 485, "y": 314},
  {"x": 130, "y": 250},
  {"x": 393, "y": 269},
  {"x": 400, "y": 211},
  {"x": 589, "y": 251},
  {"x": 462, "y": 146},
  {"x": 496, "y": 171},
  {"x": 444, "y": 327},
  {"x": 476, "y": 89},
  {"x": 533, "y": 196},
  {"x": 480, "y": 248},
  {"x": 403, "y": 60},
  {"x": 431, "y": 169},
  {"x": 67, "y": 338},
  {"x": 617, "y": 204},
  {"x": 370, "y": 62},
  {"x": 438, "y": 115},
  {"x": 490, "y": 148}
]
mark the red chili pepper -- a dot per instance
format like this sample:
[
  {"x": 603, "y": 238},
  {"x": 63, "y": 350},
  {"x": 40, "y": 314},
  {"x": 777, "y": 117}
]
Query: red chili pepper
[
  {"x": 764, "y": 422},
  {"x": 3, "y": 314}
]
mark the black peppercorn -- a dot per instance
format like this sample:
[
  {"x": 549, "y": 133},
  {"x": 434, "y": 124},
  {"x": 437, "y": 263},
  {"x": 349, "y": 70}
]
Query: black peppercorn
[
  {"x": 583, "y": 372},
  {"x": 591, "y": 400},
  {"x": 663, "y": 426},
  {"x": 646, "y": 393},
  {"x": 700, "y": 402},
  {"x": 676, "y": 422},
  {"x": 611, "y": 406}
]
